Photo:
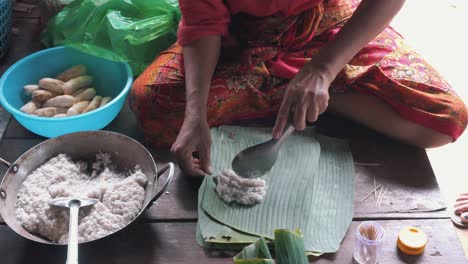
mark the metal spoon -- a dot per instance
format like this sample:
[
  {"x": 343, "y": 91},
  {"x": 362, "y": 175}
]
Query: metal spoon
[
  {"x": 74, "y": 204},
  {"x": 256, "y": 161}
]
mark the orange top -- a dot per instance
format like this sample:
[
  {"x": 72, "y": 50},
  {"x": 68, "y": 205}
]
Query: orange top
[{"x": 212, "y": 17}]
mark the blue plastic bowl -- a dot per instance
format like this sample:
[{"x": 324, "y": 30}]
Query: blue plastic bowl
[{"x": 110, "y": 79}]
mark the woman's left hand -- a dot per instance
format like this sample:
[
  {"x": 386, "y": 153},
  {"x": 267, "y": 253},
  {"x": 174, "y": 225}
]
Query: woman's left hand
[{"x": 306, "y": 95}]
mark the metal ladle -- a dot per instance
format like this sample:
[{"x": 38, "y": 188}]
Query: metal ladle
[
  {"x": 74, "y": 204},
  {"x": 256, "y": 161}
]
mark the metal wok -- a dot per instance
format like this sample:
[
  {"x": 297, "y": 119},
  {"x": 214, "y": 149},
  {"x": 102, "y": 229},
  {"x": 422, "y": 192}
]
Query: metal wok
[{"x": 126, "y": 154}]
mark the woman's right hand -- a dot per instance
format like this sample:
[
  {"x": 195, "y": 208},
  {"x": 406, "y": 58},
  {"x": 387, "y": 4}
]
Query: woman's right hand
[{"x": 194, "y": 137}]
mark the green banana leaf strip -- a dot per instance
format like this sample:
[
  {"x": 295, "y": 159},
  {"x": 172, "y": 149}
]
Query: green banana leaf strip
[
  {"x": 289, "y": 247},
  {"x": 314, "y": 253}
]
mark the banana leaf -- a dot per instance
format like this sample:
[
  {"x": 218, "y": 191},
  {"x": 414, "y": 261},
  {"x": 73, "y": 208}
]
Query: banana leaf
[
  {"x": 212, "y": 231},
  {"x": 219, "y": 236},
  {"x": 289, "y": 247},
  {"x": 281, "y": 207},
  {"x": 303, "y": 192}
]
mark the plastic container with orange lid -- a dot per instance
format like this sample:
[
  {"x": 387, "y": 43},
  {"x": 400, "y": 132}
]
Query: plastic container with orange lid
[
  {"x": 369, "y": 242},
  {"x": 412, "y": 240}
]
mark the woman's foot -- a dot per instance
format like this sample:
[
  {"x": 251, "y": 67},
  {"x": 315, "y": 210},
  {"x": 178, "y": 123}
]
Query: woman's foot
[{"x": 460, "y": 216}]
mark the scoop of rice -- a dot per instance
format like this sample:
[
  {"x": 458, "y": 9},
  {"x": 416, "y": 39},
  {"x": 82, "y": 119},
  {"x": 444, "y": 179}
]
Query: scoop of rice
[{"x": 232, "y": 188}]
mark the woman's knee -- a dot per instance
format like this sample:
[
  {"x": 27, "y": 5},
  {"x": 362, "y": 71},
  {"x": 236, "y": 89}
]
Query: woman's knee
[
  {"x": 457, "y": 115},
  {"x": 462, "y": 117},
  {"x": 159, "y": 115},
  {"x": 162, "y": 79},
  {"x": 156, "y": 91},
  {"x": 429, "y": 138},
  {"x": 140, "y": 97},
  {"x": 379, "y": 116}
]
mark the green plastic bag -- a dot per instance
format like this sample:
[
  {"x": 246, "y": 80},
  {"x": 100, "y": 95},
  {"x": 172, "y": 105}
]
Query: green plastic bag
[{"x": 134, "y": 31}]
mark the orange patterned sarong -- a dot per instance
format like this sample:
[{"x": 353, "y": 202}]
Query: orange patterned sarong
[{"x": 265, "y": 53}]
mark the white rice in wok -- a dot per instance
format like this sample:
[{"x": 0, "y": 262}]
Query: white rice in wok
[{"x": 120, "y": 198}]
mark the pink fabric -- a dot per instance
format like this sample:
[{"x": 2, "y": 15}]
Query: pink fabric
[{"x": 212, "y": 17}]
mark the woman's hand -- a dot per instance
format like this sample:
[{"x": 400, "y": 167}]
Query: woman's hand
[
  {"x": 194, "y": 136},
  {"x": 306, "y": 95},
  {"x": 200, "y": 59}
]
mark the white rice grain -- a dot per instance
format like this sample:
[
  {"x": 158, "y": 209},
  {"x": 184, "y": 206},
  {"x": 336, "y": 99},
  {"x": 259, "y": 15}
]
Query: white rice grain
[{"x": 232, "y": 188}]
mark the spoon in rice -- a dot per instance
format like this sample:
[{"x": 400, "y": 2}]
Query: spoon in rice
[{"x": 74, "y": 204}]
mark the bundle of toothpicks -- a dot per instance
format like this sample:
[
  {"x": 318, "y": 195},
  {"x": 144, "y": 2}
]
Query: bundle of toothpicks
[{"x": 381, "y": 190}]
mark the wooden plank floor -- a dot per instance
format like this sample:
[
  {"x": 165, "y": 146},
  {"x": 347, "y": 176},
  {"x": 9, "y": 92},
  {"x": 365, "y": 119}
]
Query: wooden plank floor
[
  {"x": 403, "y": 169},
  {"x": 175, "y": 243}
]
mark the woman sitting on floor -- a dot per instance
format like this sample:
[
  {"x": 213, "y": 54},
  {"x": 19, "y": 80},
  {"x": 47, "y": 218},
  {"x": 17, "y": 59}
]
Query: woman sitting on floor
[{"x": 239, "y": 59}]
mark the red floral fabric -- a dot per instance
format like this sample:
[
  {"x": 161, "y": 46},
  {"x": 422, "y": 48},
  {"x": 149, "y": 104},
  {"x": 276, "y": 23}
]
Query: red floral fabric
[{"x": 263, "y": 54}]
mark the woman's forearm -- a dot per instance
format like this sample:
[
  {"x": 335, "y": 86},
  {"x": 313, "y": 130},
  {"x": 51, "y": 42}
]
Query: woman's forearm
[
  {"x": 200, "y": 59},
  {"x": 370, "y": 19}
]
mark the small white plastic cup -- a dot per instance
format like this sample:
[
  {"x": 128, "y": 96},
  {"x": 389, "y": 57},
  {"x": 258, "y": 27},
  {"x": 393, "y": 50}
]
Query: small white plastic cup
[{"x": 368, "y": 251}]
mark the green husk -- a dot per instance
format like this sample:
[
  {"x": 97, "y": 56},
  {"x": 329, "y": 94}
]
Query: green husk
[
  {"x": 316, "y": 197},
  {"x": 289, "y": 247},
  {"x": 314, "y": 253},
  {"x": 254, "y": 261}
]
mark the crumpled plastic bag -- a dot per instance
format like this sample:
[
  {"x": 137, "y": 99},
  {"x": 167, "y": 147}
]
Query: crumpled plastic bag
[{"x": 134, "y": 31}]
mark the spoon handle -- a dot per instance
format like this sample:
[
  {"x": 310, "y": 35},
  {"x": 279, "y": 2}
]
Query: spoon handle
[
  {"x": 288, "y": 129},
  {"x": 72, "y": 256}
]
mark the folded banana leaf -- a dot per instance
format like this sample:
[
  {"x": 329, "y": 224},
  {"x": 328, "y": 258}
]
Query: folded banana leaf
[
  {"x": 311, "y": 188},
  {"x": 289, "y": 247}
]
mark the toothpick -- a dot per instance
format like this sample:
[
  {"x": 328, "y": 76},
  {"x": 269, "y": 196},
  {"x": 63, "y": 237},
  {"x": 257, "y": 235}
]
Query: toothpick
[
  {"x": 369, "y": 194},
  {"x": 378, "y": 198},
  {"x": 357, "y": 176},
  {"x": 381, "y": 198},
  {"x": 380, "y": 195},
  {"x": 375, "y": 194},
  {"x": 366, "y": 164}
]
